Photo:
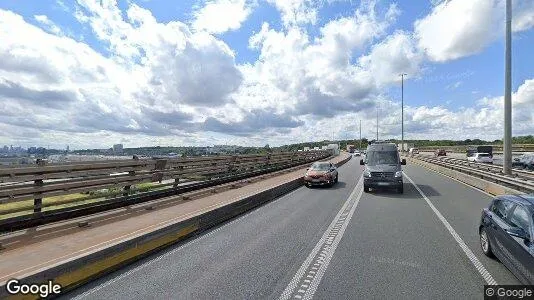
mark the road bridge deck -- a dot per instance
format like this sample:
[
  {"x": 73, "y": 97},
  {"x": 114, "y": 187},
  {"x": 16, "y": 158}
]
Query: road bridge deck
[
  {"x": 382, "y": 245},
  {"x": 30, "y": 251}
]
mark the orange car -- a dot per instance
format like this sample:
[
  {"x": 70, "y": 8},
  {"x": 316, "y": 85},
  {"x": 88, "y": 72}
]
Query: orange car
[{"x": 321, "y": 173}]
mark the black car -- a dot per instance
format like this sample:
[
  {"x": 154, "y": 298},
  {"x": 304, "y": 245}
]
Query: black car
[
  {"x": 382, "y": 167},
  {"x": 506, "y": 231}
]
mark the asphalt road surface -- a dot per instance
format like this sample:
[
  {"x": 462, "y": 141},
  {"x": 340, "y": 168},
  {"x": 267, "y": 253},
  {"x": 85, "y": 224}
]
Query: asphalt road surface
[{"x": 328, "y": 243}]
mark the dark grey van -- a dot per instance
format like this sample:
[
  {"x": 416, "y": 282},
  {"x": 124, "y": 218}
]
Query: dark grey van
[{"x": 382, "y": 167}]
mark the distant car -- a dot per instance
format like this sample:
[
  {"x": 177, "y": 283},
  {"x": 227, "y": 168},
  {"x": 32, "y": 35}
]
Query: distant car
[
  {"x": 481, "y": 158},
  {"x": 440, "y": 152},
  {"x": 357, "y": 153},
  {"x": 525, "y": 161},
  {"x": 506, "y": 231},
  {"x": 321, "y": 173},
  {"x": 413, "y": 151}
]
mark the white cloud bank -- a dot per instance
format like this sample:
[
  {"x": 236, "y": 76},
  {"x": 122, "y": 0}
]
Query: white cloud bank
[
  {"x": 459, "y": 28},
  {"x": 174, "y": 83}
]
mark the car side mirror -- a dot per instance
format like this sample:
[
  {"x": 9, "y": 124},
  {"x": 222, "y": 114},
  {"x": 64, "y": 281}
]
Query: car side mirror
[
  {"x": 403, "y": 161},
  {"x": 361, "y": 162},
  {"x": 518, "y": 232}
]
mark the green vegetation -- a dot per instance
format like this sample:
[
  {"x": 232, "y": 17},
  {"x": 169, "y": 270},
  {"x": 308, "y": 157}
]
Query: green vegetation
[
  {"x": 528, "y": 139},
  {"x": 9, "y": 210}
]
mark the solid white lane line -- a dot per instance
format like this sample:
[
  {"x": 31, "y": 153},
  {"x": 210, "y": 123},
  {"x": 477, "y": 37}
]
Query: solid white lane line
[
  {"x": 324, "y": 249},
  {"x": 472, "y": 257}
]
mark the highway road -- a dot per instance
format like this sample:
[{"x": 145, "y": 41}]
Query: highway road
[
  {"x": 328, "y": 243},
  {"x": 497, "y": 158}
]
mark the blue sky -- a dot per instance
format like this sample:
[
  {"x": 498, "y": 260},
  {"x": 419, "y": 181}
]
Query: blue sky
[{"x": 303, "y": 81}]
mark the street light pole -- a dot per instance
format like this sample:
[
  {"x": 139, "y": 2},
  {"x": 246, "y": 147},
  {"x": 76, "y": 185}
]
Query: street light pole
[
  {"x": 507, "y": 143},
  {"x": 377, "y": 122},
  {"x": 360, "y": 135},
  {"x": 402, "y": 111}
]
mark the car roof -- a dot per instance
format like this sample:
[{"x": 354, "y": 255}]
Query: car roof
[
  {"x": 383, "y": 147},
  {"x": 525, "y": 199}
]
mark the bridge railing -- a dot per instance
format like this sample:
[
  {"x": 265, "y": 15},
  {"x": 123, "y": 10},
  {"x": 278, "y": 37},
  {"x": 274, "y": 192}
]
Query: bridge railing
[
  {"x": 463, "y": 149},
  {"x": 40, "y": 181}
]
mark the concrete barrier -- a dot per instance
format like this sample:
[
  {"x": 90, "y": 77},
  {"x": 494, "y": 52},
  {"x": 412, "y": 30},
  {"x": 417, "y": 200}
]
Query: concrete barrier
[
  {"x": 85, "y": 268},
  {"x": 482, "y": 184}
]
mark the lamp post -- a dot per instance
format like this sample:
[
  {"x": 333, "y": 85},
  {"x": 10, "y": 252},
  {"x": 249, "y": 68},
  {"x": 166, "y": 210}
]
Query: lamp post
[
  {"x": 377, "y": 122},
  {"x": 360, "y": 148},
  {"x": 507, "y": 142},
  {"x": 402, "y": 110}
]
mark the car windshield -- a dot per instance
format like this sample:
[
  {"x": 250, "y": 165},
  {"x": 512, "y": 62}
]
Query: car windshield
[
  {"x": 382, "y": 158},
  {"x": 320, "y": 167}
]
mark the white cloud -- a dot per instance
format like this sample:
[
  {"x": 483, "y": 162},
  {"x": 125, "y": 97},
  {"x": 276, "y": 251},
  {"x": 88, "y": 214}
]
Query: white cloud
[
  {"x": 395, "y": 55},
  {"x": 153, "y": 81},
  {"x": 454, "y": 85},
  {"x": 219, "y": 16},
  {"x": 48, "y": 24},
  {"x": 297, "y": 12},
  {"x": 459, "y": 28},
  {"x": 319, "y": 77},
  {"x": 523, "y": 15}
]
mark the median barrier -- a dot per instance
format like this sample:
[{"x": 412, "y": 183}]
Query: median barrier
[{"x": 479, "y": 183}]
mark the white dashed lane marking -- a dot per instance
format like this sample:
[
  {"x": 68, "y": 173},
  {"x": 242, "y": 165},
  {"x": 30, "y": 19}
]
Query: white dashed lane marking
[
  {"x": 309, "y": 275},
  {"x": 472, "y": 257}
]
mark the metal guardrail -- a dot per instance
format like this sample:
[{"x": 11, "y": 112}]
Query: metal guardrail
[
  {"x": 484, "y": 171},
  {"x": 38, "y": 182},
  {"x": 516, "y": 172},
  {"x": 496, "y": 148}
]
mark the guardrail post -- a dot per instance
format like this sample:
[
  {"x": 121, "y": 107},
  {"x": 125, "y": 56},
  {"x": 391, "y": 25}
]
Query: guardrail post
[
  {"x": 128, "y": 187},
  {"x": 160, "y": 166},
  {"x": 231, "y": 164},
  {"x": 267, "y": 160},
  {"x": 38, "y": 201}
]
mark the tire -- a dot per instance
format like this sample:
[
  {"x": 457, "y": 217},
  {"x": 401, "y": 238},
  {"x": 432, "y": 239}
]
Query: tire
[
  {"x": 307, "y": 185},
  {"x": 485, "y": 243},
  {"x": 337, "y": 179},
  {"x": 400, "y": 189},
  {"x": 366, "y": 189}
]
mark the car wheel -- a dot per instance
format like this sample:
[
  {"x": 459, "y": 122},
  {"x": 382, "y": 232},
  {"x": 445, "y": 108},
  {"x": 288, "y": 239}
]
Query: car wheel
[
  {"x": 366, "y": 189},
  {"x": 337, "y": 179},
  {"x": 307, "y": 185},
  {"x": 485, "y": 243},
  {"x": 400, "y": 189}
]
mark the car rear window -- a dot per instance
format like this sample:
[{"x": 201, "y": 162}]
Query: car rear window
[
  {"x": 483, "y": 155},
  {"x": 320, "y": 166},
  {"x": 374, "y": 158}
]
